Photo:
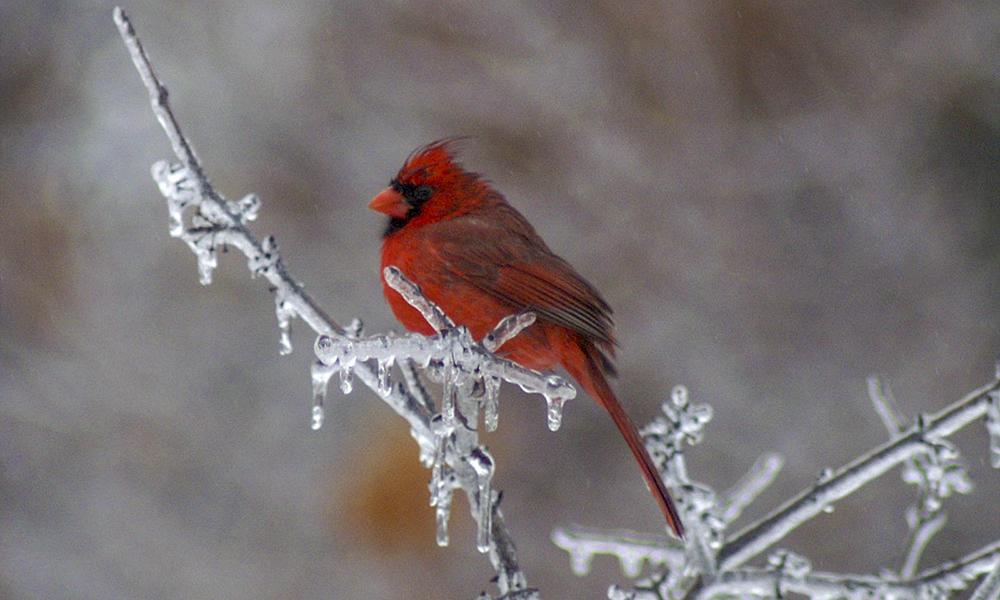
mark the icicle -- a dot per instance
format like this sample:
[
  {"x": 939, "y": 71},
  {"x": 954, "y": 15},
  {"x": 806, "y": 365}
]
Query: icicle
[
  {"x": 993, "y": 428},
  {"x": 207, "y": 262},
  {"x": 491, "y": 409},
  {"x": 482, "y": 463},
  {"x": 554, "y": 412},
  {"x": 448, "y": 393},
  {"x": 204, "y": 250},
  {"x": 580, "y": 561},
  {"x": 320, "y": 377},
  {"x": 436, "y": 467},
  {"x": 385, "y": 375},
  {"x": 317, "y": 413},
  {"x": 630, "y": 560},
  {"x": 443, "y": 513},
  {"x": 347, "y": 377},
  {"x": 440, "y": 487},
  {"x": 556, "y": 393},
  {"x": 284, "y": 315}
]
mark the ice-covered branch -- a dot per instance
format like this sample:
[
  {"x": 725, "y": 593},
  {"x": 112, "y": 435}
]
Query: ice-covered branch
[
  {"x": 925, "y": 437},
  {"x": 632, "y": 549},
  {"x": 411, "y": 292},
  {"x": 213, "y": 222},
  {"x": 937, "y": 474},
  {"x": 761, "y": 475},
  {"x": 467, "y": 370},
  {"x": 206, "y": 221},
  {"x": 786, "y": 573},
  {"x": 712, "y": 565},
  {"x": 452, "y": 356}
]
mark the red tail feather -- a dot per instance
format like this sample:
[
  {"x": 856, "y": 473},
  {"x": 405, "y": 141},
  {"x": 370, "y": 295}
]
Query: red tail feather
[{"x": 597, "y": 386}]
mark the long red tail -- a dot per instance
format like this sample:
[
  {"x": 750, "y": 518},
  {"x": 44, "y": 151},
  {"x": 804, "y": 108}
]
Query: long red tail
[{"x": 598, "y": 387}]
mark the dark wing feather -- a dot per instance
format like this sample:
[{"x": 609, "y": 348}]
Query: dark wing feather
[{"x": 508, "y": 260}]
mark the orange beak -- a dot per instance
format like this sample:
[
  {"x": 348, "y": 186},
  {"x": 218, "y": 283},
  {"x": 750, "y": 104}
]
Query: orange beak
[{"x": 390, "y": 202}]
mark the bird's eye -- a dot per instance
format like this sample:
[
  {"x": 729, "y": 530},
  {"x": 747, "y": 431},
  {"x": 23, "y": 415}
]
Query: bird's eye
[{"x": 421, "y": 193}]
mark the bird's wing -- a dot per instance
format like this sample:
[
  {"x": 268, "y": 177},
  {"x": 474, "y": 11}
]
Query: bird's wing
[{"x": 505, "y": 258}]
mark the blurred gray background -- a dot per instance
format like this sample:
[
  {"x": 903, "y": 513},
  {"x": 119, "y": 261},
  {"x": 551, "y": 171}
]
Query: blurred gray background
[{"x": 777, "y": 198}]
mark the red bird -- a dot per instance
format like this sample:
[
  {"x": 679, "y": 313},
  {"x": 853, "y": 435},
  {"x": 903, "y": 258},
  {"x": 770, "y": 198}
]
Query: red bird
[{"x": 479, "y": 260}]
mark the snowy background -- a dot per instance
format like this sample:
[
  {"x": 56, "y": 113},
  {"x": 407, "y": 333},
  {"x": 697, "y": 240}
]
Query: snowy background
[{"x": 777, "y": 198}]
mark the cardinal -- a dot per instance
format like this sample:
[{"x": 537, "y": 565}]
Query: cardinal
[{"x": 479, "y": 260}]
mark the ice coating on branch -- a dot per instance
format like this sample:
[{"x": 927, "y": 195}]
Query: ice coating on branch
[
  {"x": 507, "y": 329},
  {"x": 246, "y": 208},
  {"x": 461, "y": 365},
  {"x": 939, "y": 472},
  {"x": 267, "y": 258},
  {"x": 989, "y": 589},
  {"x": 410, "y": 291},
  {"x": 760, "y": 476},
  {"x": 684, "y": 423},
  {"x": 454, "y": 359},
  {"x": 789, "y": 563},
  {"x": 632, "y": 549},
  {"x": 177, "y": 185},
  {"x": 993, "y": 429}
]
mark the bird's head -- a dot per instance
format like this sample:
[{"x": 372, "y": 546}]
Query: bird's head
[{"x": 431, "y": 186}]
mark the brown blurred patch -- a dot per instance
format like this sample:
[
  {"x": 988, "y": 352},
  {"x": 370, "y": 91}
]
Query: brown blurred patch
[
  {"x": 775, "y": 64},
  {"x": 23, "y": 87},
  {"x": 386, "y": 506},
  {"x": 37, "y": 288},
  {"x": 963, "y": 152}
]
